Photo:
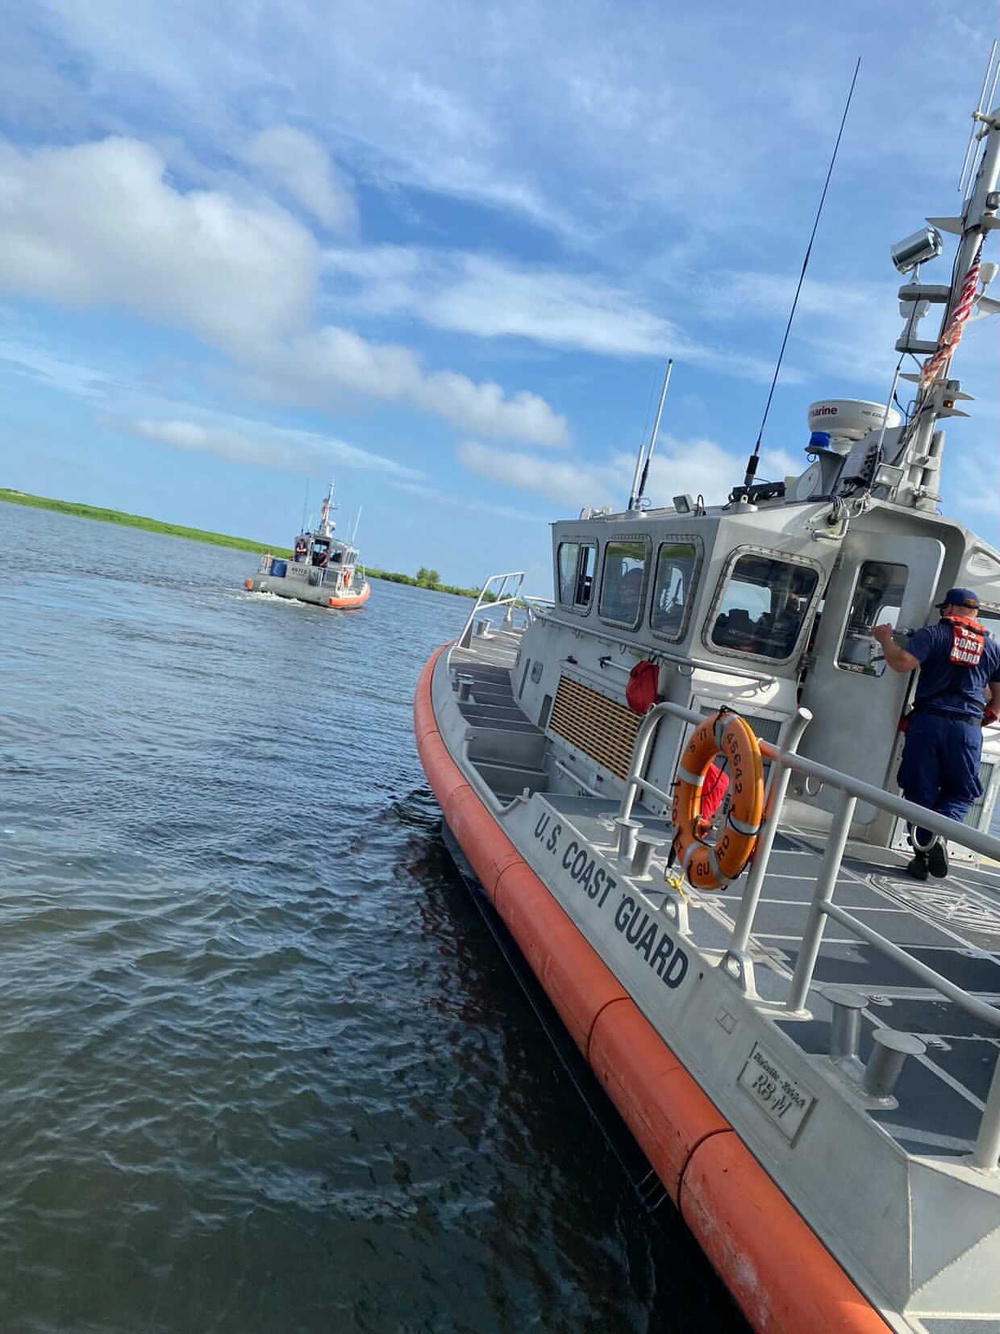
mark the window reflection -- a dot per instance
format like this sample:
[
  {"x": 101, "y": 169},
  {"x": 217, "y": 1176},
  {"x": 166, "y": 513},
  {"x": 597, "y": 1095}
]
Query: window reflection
[
  {"x": 763, "y": 607},
  {"x": 878, "y": 596},
  {"x": 576, "y": 562},
  {"x": 675, "y": 569},
  {"x": 624, "y": 575}
]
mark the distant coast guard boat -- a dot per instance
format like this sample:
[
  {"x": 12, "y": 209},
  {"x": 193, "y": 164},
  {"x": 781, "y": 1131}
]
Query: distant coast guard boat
[{"x": 323, "y": 570}]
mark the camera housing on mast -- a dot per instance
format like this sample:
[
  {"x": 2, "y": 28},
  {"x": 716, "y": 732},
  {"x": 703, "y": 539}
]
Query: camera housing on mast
[{"x": 916, "y": 249}]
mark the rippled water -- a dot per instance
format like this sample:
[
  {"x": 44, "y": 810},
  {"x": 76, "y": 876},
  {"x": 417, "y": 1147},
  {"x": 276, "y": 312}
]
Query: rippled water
[{"x": 261, "y": 1065}]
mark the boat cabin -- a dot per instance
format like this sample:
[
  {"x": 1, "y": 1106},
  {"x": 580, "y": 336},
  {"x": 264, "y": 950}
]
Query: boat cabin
[
  {"x": 321, "y": 552},
  {"x": 763, "y": 605}
]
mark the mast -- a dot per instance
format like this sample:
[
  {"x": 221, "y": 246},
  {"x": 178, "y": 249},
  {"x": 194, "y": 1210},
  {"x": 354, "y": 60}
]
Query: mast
[
  {"x": 920, "y": 457},
  {"x": 326, "y": 527},
  {"x": 641, "y": 470}
]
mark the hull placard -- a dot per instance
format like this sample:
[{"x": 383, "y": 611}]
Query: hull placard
[{"x": 782, "y": 1100}]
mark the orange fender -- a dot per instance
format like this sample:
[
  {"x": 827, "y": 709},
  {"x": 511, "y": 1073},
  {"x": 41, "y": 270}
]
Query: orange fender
[
  {"x": 778, "y": 1270},
  {"x": 662, "y": 1105},
  {"x": 423, "y": 710},
  {"x": 577, "y": 982},
  {"x": 486, "y": 845},
  {"x": 351, "y": 601},
  {"x": 447, "y": 780}
]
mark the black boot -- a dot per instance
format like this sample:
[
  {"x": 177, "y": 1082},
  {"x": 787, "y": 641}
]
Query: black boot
[
  {"x": 918, "y": 867},
  {"x": 937, "y": 859}
]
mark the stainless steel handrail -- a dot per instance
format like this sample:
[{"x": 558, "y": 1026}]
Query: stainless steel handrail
[
  {"x": 500, "y": 599},
  {"x": 986, "y": 1153},
  {"x": 985, "y": 844}
]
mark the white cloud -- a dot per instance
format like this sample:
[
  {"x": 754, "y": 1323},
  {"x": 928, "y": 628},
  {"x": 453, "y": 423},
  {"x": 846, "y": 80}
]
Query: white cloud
[
  {"x": 298, "y": 163},
  {"x": 435, "y": 496},
  {"x": 268, "y": 447},
  {"x": 96, "y": 223},
  {"x": 323, "y": 364},
  {"x": 577, "y": 117},
  {"x": 490, "y": 297},
  {"x": 696, "y": 467}
]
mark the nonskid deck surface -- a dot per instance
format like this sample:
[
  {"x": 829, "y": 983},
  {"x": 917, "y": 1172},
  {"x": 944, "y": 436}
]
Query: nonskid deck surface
[
  {"x": 952, "y": 925},
  {"x": 497, "y": 649},
  {"x": 491, "y": 706}
]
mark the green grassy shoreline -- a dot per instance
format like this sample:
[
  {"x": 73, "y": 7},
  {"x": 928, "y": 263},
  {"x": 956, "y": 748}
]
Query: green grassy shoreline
[{"x": 124, "y": 520}]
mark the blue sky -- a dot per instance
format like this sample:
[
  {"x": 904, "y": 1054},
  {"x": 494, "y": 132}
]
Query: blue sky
[{"x": 440, "y": 252}]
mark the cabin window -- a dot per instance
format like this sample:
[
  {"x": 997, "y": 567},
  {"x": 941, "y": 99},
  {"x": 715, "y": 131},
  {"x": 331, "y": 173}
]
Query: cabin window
[
  {"x": 676, "y": 570},
  {"x": 577, "y": 562},
  {"x": 624, "y": 581},
  {"x": 878, "y": 596},
  {"x": 763, "y": 606}
]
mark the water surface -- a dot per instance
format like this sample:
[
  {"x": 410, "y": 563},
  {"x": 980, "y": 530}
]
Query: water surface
[{"x": 262, "y": 1067}]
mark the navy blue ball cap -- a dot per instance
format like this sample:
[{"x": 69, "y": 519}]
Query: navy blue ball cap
[{"x": 960, "y": 597}]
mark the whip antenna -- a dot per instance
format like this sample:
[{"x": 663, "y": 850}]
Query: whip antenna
[
  {"x": 754, "y": 458},
  {"x": 641, "y": 471},
  {"x": 985, "y": 102}
]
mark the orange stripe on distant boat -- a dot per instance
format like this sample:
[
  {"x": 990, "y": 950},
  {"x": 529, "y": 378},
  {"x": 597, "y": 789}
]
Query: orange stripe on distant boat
[
  {"x": 353, "y": 600},
  {"x": 781, "y": 1274}
]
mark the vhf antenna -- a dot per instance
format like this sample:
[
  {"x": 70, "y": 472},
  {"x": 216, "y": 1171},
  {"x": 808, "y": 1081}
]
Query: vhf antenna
[
  {"x": 641, "y": 471},
  {"x": 985, "y": 101},
  {"x": 754, "y": 458}
]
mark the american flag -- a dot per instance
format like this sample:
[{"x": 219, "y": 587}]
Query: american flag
[{"x": 953, "y": 330}]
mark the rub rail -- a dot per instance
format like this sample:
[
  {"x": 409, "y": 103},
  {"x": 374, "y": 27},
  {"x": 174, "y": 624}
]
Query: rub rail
[{"x": 784, "y": 762}]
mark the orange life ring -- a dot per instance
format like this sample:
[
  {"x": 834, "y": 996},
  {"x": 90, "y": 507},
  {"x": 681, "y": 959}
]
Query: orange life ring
[
  {"x": 714, "y": 865},
  {"x": 248, "y": 585}
]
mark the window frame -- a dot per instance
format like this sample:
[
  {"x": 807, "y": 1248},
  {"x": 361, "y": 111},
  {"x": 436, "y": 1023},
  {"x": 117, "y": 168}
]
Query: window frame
[
  {"x": 693, "y": 540},
  {"x": 646, "y": 543},
  {"x": 786, "y": 558},
  {"x": 578, "y": 608},
  {"x": 860, "y": 669}
]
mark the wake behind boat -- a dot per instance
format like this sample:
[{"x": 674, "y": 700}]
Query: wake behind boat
[
  {"x": 323, "y": 570},
  {"x": 810, "y": 1061}
]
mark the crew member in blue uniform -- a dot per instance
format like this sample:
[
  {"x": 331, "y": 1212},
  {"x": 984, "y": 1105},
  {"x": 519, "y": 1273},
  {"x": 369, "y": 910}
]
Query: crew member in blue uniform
[{"x": 957, "y": 695}]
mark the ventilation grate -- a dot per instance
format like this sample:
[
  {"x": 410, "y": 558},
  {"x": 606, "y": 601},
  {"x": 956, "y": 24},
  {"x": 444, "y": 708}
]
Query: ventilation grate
[{"x": 602, "y": 729}]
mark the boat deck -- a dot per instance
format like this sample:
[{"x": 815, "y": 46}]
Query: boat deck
[
  {"x": 951, "y": 925},
  {"x": 497, "y": 649}
]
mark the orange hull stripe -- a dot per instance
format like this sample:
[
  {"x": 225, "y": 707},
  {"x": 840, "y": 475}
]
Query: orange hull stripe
[
  {"x": 774, "y": 1265},
  {"x": 783, "y": 1277},
  {"x": 355, "y": 600},
  {"x": 578, "y": 983},
  {"x": 662, "y": 1105}
]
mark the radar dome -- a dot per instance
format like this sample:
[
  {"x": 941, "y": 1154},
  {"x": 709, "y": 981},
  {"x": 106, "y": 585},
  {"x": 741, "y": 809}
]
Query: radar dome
[{"x": 850, "y": 418}]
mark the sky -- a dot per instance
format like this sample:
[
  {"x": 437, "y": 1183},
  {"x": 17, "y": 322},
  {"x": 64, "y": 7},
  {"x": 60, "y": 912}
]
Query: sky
[{"x": 440, "y": 253}]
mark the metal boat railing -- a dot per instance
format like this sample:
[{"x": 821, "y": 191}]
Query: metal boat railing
[
  {"x": 784, "y": 762},
  {"x": 519, "y": 609},
  {"x": 302, "y": 570}
]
